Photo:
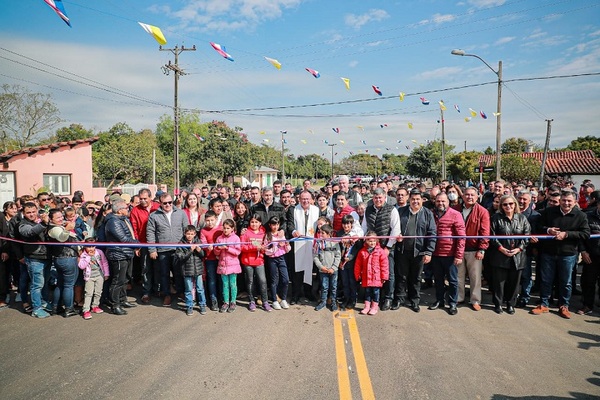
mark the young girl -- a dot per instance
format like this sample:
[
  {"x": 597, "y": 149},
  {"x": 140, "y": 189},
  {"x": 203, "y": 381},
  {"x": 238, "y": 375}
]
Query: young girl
[
  {"x": 371, "y": 270},
  {"x": 252, "y": 259},
  {"x": 349, "y": 247},
  {"x": 229, "y": 263},
  {"x": 192, "y": 268},
  {"x": 327, "y": 259},
  {"x": 209, "y": 234},
  {"x": 276, "y": 247},
  {"x": 94, "y": 264}
]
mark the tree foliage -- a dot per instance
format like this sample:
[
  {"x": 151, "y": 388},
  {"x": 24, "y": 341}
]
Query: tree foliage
[
  {"x": 462, "y": 165},
  {"x": 425, "y": 161},
  {"x": 586, "y": 143},
  {"x": 25, "y": 117},
  {"x": 516, "y": 168},
  {"x": 517, "y": 146}
]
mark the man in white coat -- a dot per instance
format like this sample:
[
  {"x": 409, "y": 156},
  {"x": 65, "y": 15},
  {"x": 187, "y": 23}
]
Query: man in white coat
[{"x": 305, "y": 226}]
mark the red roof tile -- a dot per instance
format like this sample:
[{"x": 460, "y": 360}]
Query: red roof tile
[
  {"x": 4, "y": 157},
  {"x": 559, "y": 162}
]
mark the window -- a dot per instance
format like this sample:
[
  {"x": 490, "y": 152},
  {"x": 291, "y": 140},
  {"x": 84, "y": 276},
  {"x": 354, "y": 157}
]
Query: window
[{"x": 58, "y": 184}]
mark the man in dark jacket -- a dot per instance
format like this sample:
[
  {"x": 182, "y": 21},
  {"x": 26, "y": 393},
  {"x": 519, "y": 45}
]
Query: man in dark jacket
[
  {"x": 591, "y": 262},
  {"x": 569, "y": 227},
  {"x": 32, "y": 229},
  {"x": 268, "y": 208},
  {"x": 118, "y": 229},
  {"x": 412, "y": 253}
]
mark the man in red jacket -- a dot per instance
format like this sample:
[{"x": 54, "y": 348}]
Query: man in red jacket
[
  {"x": 139, "y": 220},
  {"x": 448, "y": 254},
  {"x": 477, "y": 223}
]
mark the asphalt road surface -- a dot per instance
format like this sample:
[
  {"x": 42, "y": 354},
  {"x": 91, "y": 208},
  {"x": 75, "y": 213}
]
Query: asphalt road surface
[{"x": 158, "y": 352}]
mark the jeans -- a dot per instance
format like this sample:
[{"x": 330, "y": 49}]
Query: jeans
[
  {"x": 229, "y": 288},
  {"x": 118, "y": 285},
  {"x": 259, "y": 272},
  {"x": 444, "y": 268},
  {"x": 67, "y": 271},
  {"x": 211, "y": 279},
  {"x": 150, "y": 273},
  {"x": 328, "y": 284},
  {"x": 189, "y": 281},
  {"x": 165, "y": 262},
  {"x": 526, "y": 281},
  {"x": 372, "y": 294},
  {"x": 279, "y": 277},
  {"x": 39, "y": 271},
  {"x": 348, "y": 281},
  {"x": 563, "y": 267}
]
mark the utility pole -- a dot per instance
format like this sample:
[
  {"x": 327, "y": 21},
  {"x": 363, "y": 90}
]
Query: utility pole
[
  {"x": 443, "y": 145},
  {"x": 332, "y": 145},
  {"x": 546, "y": 146},
  {"x": 178, "y": 71}
]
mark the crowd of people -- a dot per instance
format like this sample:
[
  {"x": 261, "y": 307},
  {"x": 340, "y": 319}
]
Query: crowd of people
[{"x": 282, "y": 245}]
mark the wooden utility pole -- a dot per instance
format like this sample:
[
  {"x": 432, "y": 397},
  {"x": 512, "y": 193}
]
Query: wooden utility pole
[
  {"x": 546, "y": 147},
  {"x": 178, "y": 71}
]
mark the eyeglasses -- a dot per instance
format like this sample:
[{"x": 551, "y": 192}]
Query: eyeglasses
[
  {"x": 45, "y": 199},
  {"x": 508, "y": 204},
  {"x": 164, "y": 203}
]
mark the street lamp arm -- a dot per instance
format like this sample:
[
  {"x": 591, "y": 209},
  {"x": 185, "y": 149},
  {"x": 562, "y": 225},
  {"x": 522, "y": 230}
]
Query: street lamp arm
[{"x": 462, "y": 53}]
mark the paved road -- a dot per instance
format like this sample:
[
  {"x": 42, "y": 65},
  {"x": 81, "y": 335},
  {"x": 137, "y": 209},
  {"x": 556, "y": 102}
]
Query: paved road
[{"x": 157, "y": 352}]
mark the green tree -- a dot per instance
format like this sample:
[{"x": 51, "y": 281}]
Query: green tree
[
  {"x": 586, "y": 143},
  {"x": 517, "y": 146},
  {"x": 462, "y": 165},
  {"x": 516, "y": 168},
  {"x": 72, "y": 132},
  {"x": 489, "y": 151},
  {"x": 124, "y": 156},
  {"x": 394, "y": 164},
  {"x": 25, "y": 117},
  {"x": 363, "y": 164},
  {"x": 425, "y": 161}
]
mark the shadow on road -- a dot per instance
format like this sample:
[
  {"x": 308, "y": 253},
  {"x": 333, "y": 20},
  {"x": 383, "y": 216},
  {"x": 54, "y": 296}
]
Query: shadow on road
[
  {"x": 575, "y": 396},
  {"x": 594, "y": 340}
]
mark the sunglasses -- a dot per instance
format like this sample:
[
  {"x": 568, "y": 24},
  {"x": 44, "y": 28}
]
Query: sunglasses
[
  {"x": 45, "y": 199},
  {"x": 508, "y": 204},
  {"x": 166, "y": 203}
]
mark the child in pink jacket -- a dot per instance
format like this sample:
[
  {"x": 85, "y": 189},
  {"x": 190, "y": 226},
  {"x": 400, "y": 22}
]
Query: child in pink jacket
[
  {"x": 95, "y": 269},
  {"x": 371, "y": 270},
  {"x": 229, "y": 263}
]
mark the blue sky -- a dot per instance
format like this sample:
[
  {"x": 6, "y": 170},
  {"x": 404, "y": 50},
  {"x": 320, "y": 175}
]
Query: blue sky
[{"x": 97, "y": 70}]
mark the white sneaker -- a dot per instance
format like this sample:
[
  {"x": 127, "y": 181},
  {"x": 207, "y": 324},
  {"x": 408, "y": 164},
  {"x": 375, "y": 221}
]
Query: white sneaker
[
  {"x": 284, "y": 304},
  {"x": 18, "y": 298},
  {"x": 276, "y": 305}
]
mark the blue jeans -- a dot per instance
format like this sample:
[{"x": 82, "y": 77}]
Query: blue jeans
[
  {"x": 189, "y": 288},
  {"x": 526, "y": 281},
  {"x": 279, "y": 277},
  {"x": 328, "y": 284},
  {"x": 67, "y": 270},
  {"x": 444, "y": 268},
  {"x": 562, "y": 266},
  {"x": 372, "y": 294},
  {"x": 39, "y": 271},
  {"x": 211, "y": 278}
]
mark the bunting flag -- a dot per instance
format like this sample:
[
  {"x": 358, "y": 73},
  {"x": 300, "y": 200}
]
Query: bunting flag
[
  {"x": 336, "y": 130},
  {"x": 383, "y": 125},
  {"x": 351, "y": 153},
  {"x": 284, "y": 141},
  {"x": 496, "y": 114},
  {"x": 266, "y": 140},
  {"x": 155, "y": 32},
  {"x": 303, "y": 141},
  {"x": 424, "y": 101},
  {"x": 399, "y": 141},
  {"x": 456, "y": 107},
  {"x": 313, "y": 72},
  {"x": 407, "y": 147},
  {"x": 262, "y": 133},
  {"x": 442, "y": 105},
  {"x": 284, "y": 132},
  {"x": 59, "y": 9},
  {"x": 346, "y": 83},
  {"x": 410, "y": 125},
  {"x": 377, "y": 90},
  {"x": 402, "y": 94},
  {"x": 467, "y": 119},
  {"x": 325, "y": 141},
  {"x": 311, "y": 132},
  {"x": 360, "y": 127},
  {"x": 363, "y": 142},
  {"x": 473, "y": 112},
  {"x": 274, "y": 62},
  {"x": 414, "y": 141},
  {"x": 482, "y": 114},
  {"x": 200, "y": 138},
  {"x": 342, "y": 142}
]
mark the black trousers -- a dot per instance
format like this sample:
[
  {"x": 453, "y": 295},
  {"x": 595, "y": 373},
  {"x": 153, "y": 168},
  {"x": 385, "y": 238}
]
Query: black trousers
[
  {"x": 408, "y": 277},
  {"x": 590, "y": 276},
  {"x": 120, "y": 271},
  {"x": 506, "y": 285}
]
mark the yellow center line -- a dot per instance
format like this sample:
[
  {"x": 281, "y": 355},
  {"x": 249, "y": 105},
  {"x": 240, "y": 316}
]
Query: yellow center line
[
  {"x": 366, "y": 388},
  {"x": 342, "y": 364}
]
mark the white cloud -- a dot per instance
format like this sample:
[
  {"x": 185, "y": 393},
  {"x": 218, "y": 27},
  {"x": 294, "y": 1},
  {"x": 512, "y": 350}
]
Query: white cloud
[
  {"x": 353, "y": 64},
  {"x": 438, "y": 19},
  {"x": 373, "y": 15},
  {"x": 486, "y": 3},
  {"x": 504, "y": 40},
  {"x": 439, "y": 73}
]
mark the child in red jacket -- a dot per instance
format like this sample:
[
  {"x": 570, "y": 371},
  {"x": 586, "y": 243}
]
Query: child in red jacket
[
  {"x": 253, "y": 262},
  {"x": 372, "y": 271}
]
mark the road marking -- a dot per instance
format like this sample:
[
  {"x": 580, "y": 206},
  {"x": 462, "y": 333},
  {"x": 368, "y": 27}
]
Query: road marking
[
  {"x": 366, "y": 388},
  {"x": 342, "y": 364}
]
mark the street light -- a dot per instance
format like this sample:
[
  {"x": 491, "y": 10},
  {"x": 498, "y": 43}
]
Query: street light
[
  {"x": 331, "y": 145},
  {"x": 459, "y": 52}
]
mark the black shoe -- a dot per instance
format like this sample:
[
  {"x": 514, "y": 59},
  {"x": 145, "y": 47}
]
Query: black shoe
[
  {"x": 415, "y": 307},
  {"x": 498, "y": 310},
  {"x": 510, "y": 309},
  {"x": 387, "y": 304},
  {"x": 521, "y": 303},
  {"x": 453, "y": 310},
  {"x": 428, "y": 284},
  {"x": 69, "y": 312},
  {"x": 214, "y": 306},
  {"x": 351, "y": 305},
  {"x": 118, "y": 311},
  {"x": 436, "y": 305},
  {"x": 127, "y": 304},
  {"x": 396, "y": 305}
]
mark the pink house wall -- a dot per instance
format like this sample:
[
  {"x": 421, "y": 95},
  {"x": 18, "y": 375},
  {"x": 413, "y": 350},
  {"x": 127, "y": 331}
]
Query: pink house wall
[{"x": 29, "y": 169}]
